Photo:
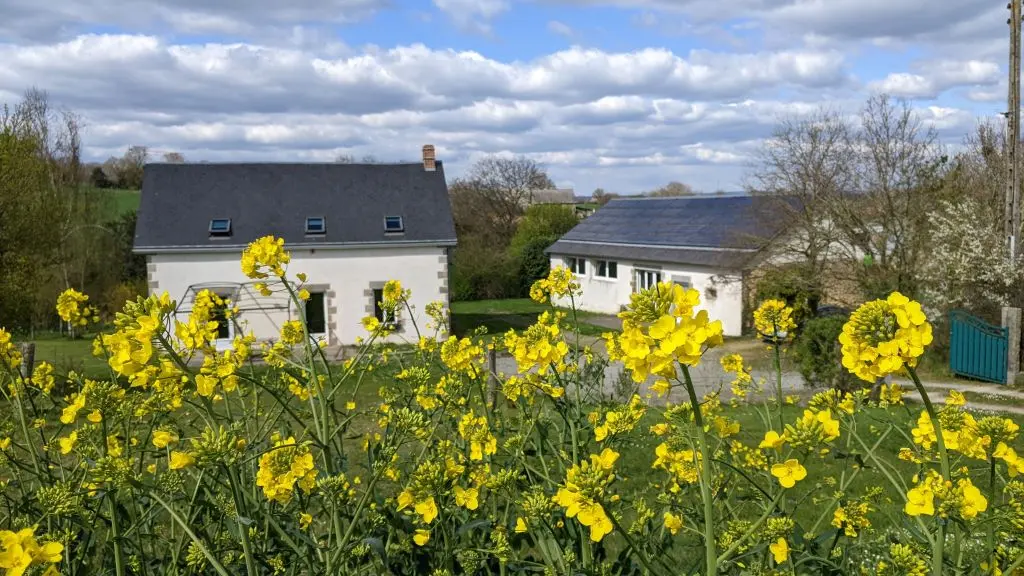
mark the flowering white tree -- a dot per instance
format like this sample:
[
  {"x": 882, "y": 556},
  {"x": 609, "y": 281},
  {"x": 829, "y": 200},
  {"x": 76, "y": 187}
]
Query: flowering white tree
[{"x": 968, "y": 265}]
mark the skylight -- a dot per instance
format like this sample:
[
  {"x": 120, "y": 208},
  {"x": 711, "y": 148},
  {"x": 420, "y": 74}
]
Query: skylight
[
  {"x": 220, "y": 227},
  {"x": 394, "y": 224},
  {"x": 316, "y": 225}
]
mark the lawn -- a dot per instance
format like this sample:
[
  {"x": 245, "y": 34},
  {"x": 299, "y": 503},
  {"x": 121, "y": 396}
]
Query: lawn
[
  {"x": 66, "y": 354},
  {"x": 498, "y": 316}
]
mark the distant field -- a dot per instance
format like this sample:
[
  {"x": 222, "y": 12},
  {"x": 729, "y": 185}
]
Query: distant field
[{"x": 117, "y": 201}]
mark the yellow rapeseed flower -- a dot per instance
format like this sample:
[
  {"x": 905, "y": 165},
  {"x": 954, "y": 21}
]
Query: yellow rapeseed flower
[
  {"x": 789, "y": 472},
  {"x": 673, "y": 523},
  {"x": 780, "y": 550},
  {"x": 164, "y": 438}
]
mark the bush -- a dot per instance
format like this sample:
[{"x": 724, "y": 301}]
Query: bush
[
  {"x": 800, "y": 291},
  {"x": 481, "y": 272},
  {"x": 534, "y": 263},
  {"x": 819, "y": 356}
]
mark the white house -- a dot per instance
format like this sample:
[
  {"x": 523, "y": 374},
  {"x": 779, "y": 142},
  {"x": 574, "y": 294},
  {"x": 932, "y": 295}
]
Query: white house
[
  {"x": 349, "y": 228},
  {"x": 703, "y": 242}
]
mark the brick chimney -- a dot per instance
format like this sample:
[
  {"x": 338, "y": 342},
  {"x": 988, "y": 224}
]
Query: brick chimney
[{"x": 428, "y": 158}]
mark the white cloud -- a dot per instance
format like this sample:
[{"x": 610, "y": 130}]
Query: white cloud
[
  {"x": 936, "y": 77},
  {"x": 560, "y": 28},
  {"x": 472, "y": 15},
  {"x": 625, "y": 121},
  {"x": 30, "y": 20}
]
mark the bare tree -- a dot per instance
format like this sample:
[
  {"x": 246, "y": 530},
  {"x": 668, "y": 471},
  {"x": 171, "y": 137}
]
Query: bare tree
[
  {"x": 798, "y": 171},
  {"x": 497, "y": 190},
  {"x": 673, "y": 188},
  {"x": 345, "y": 159},
  {"x": 174, "y": 158},
  {"x": 900, "y": 165},
  {"x": 860, "y": 193},
  {"x": 602, "y": 197}
]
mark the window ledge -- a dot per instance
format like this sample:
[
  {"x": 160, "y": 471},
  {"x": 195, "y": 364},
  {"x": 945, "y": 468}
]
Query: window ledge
[{"x": 606, "y": 279}]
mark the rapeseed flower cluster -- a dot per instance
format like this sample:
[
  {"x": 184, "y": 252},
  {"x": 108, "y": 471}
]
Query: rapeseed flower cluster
[
  {"x": 19, "y": 551},
  {"x": 662, "y": 327},
  {"x": 585, "y": 489},
  {"x": 282, "y": 467},
  {"x": 265, "y": 256},
  {"x": 560, "y": 283},
  {"x": 883, "y": 336},
  {"x": 773, "y": 319},
  {"x": 72, "y": 308}
]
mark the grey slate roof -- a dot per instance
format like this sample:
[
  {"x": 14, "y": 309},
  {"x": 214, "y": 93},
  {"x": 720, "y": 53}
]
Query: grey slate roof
[
  {"x": 719, "y": 231},
  {"x": 179, "y": 200},
  {"x": 553, "y": 196}
]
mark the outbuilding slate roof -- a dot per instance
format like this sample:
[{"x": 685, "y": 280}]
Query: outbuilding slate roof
[
  {"x": 720, "y": 231},
  {"x": 179, "y": 201}
]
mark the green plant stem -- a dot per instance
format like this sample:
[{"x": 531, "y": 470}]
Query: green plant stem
[
  {"x": 711, "y": 555},
  {"x": 992, "y": 504},
  {"x": 115, "y": 529},
  {"x": 778, "y": 386},
  {"x": 940, "y": 537},
  {"x": 243, "y": 531},
  {"x": 629, "y": 542}
]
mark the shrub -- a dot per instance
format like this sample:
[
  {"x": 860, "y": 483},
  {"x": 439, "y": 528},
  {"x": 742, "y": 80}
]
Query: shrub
[
  {"x": 800, "y": 290},
  {"x": 819, "y": 356}
]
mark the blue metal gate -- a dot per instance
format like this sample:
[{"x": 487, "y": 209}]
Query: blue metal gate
[{"x": 977, "y": 349}]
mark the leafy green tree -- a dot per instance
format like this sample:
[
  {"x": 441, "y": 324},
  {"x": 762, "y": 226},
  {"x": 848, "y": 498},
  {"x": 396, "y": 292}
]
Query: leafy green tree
[{"x": 548, "y": 221}]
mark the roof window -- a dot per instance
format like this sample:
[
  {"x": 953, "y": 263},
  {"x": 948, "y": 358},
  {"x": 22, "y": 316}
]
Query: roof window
[
  {"x": 220, "y": 227},
  {"x": 316, "y": 225},
  {"x": 394, "y": 224}
]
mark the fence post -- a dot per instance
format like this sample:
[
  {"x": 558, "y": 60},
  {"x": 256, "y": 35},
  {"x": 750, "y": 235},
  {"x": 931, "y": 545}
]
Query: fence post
[
  {"x": 28, "y": 359},
  {"x": 1011, "y": 321}
]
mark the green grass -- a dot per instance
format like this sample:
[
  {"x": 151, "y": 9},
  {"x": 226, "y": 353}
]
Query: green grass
[
  {"x": 498, "y": 316},
  {"x": 117, "y": 201},
  {"x": 66, "y": 354}
]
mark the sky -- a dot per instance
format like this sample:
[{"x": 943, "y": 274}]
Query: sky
[{"x": 625, "y": 95}]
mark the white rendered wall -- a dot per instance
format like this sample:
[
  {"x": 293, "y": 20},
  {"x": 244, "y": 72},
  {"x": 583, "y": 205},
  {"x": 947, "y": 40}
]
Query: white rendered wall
[
  {"x": 346, "y": 276},
  {"x": 722, "y": 298}
]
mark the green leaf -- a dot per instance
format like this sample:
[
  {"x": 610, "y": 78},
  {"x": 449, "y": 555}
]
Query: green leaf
[{"x": 473, "y": 525}]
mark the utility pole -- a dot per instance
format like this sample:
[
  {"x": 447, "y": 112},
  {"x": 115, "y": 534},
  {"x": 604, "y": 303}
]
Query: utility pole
[{"x": 1013, "y": 200}]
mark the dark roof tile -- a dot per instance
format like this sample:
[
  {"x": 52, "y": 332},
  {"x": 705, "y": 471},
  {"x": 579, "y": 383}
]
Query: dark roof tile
[{"x": 179, "y": 200}]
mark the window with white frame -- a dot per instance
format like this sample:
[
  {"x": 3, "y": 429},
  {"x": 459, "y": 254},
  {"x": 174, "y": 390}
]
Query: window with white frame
[
  {"x": 606, "y": 269},
  {"x": 577, "y": 265},
  {"x": 645, "y": 279},
  {"x": 684, "y": 281}
]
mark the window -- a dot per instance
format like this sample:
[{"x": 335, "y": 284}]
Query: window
[
  {"x": 220, "y": 227},
  {"x": 386, "y": 317},
  {"x": 316, "y": 225},
  {"x": 316, "y": 318},
  {"x": 645, "y": 279},
  {"x": 220, "y": 315},
  {"x": 577, "y": 265},
  {"x": 607, "y": 269},
  {"x": 394, "y": 224},
  {"x": 683, "y": 281}
]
